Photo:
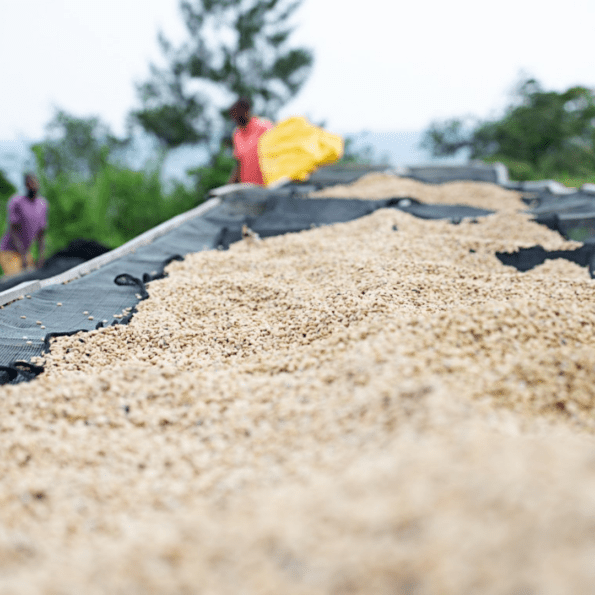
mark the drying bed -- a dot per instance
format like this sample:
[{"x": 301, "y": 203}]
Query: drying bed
[
  {"x": 376, "y": 406},
  {"x": 113, "y": 283}
]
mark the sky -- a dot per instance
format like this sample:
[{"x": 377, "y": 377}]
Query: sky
[{"x": 380, "y": 65}]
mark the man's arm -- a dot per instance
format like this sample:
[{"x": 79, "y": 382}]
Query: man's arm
[
  {"x": 234, "y": 178},
  {"x": 40, "y": 249}
]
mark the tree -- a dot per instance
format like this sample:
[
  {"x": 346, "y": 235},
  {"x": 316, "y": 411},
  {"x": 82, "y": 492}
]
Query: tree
[
  {"x": 236, "y": 48},
  {"x": 7, "y": 188},
  {"x": 541, "y": 133},
  {"x": 215, "y": 173},
  {"x": 353, "y": 155},
  {"x": 91, "y": 189},
  {"x": 75, "y": 146}
]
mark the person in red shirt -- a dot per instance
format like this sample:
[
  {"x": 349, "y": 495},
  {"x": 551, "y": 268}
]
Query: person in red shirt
[{"x": 245, "y": 143}]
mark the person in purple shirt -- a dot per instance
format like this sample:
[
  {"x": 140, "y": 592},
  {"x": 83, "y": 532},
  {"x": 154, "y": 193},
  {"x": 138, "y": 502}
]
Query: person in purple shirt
[{"x": 27, "y": 222}]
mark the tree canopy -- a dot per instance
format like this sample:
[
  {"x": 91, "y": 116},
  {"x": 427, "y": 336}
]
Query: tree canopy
[
  {"x": 235, "y": 48},
  {"x": 542, "y": 133},
  {"x": 75, "y": 146}
]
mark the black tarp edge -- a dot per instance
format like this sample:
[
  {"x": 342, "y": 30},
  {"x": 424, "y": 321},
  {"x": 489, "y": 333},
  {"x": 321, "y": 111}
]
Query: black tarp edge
[
  {"x": 92, "y": 265},
  {"x": 267, "y": 214}
]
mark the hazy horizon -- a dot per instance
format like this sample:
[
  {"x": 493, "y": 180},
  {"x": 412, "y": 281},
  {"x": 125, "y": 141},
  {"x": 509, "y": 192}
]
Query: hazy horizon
[{"x": 400, "y": 147}]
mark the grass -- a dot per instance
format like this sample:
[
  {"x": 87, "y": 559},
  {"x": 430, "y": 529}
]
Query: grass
[{"x": 574, "y": 181}]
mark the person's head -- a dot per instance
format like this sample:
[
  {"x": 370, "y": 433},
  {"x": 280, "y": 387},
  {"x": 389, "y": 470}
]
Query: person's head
[
  {"x": 240, "y": 112},
  {"x": 32, "y": 185}
]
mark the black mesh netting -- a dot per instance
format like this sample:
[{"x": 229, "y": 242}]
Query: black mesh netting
[
  {"x": 338, "y": 174},
  {"x": 77, "y": 252},
  {"x": 455, "y": 213},
  {"x": 440, "y": 174},
  {"x": 108, "y": 295},
  {"x": 99, "y": 298},
  {"x": 564, "y": 213}
]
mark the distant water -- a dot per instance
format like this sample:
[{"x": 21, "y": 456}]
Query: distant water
[
  {"x": 393, "y": 148},
  {"x": 398, "y": 148}
]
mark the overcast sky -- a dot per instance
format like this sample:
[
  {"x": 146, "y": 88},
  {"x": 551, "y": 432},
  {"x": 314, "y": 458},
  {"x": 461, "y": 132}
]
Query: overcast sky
[{"x": 380, "y": 65}]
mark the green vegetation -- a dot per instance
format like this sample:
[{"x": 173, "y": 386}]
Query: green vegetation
[
  {"x": 6, "y": 191},
  {"x": 6, "y": 188},
  {"x": 215, "y": 173},
  {"x": 92, "y": 194},
  {"x": 356, "y": 156},
  {"x": 234, "y": 49},
  {"x": 113, "y": 207},
  {"x": 572, "y": 181},
  {"x": 542, "y": 135}
]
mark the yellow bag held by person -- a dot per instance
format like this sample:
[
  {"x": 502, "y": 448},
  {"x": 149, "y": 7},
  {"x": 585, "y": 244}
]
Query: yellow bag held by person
[{"x": 294, "y": 148}]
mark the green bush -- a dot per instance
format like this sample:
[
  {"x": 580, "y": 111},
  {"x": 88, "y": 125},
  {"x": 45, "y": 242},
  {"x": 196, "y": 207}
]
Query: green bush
[
  {"x": 6, "y": 191},
  {"x": 114, "y": 207},
  {"x": 541, "y": 135},
  {"x": 92, "y": 193},
  {"x": 517, "y": 170},
  {"x": 215, "y": 174},
  {"x": 6, "y": 187}
]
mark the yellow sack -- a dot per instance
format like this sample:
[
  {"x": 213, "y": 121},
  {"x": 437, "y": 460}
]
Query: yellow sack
[{"x": 294, "y": 148}]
